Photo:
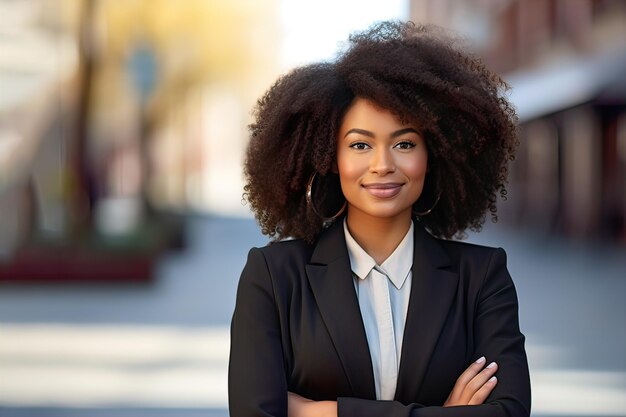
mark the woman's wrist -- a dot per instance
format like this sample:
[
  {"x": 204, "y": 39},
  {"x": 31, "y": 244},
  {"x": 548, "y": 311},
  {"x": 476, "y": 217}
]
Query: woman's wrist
[
  {"x": 326, "y": 408},
  {"x": 320, "y": 409},
  {"x": 303, "y": 407}
]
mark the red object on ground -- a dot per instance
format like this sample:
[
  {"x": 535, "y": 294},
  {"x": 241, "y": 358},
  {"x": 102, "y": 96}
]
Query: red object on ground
[{"x": 77, "y": 265}]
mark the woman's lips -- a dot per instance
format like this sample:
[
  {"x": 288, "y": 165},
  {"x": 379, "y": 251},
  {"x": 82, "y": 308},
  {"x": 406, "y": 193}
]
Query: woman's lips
[{"x": 383, "y": 190}]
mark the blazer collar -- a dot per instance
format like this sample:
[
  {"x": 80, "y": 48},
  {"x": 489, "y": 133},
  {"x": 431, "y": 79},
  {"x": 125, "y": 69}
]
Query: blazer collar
[
  {"x": 331, "y": 281},
  {"x": 432, "y": 292}
]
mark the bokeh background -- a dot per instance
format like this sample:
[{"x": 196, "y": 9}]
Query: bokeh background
[{"x": 122, "y": 227}]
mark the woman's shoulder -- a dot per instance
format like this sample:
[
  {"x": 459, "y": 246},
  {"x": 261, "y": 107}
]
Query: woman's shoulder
[
  {"x": 461, "y": 251},
  {"x": 286, "y": 246},
  {"x": 462, "y": 246},
  {"x": 480, "y": 269},
  {"x": 285, "y": 252}
]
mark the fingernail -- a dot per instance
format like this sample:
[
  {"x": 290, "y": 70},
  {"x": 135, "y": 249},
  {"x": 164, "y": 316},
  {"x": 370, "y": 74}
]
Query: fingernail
[
  {"x": 480, "y": 360},
  {"x": 491, "y": 365},
  {"x": 492, "y": 379}
]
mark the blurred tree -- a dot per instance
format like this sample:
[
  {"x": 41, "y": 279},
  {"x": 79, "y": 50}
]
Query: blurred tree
[
  {"x": 195, "y": 41},
  {"x": 140, "y": 59}
]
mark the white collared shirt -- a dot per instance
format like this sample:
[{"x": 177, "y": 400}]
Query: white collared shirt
[{"x": 383, "y": 292}]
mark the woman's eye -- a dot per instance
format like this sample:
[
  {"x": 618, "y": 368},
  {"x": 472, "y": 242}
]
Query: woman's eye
[
  {"x": 405, "y": 145},
  {"x": 360, "y": 146}
]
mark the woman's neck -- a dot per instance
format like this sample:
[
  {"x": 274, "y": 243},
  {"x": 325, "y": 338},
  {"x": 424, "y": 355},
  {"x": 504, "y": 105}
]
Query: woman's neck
[{"x": 379, "y": 237}]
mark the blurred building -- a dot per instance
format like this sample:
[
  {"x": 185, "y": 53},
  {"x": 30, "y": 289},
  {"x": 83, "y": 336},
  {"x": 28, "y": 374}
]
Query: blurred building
[{"x": 565, "y": 60}]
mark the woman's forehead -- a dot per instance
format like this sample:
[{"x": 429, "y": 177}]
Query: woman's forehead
[{"x": 364, "y": 112}]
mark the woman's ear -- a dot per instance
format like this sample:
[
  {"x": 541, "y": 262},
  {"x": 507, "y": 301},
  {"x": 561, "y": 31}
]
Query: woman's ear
[{"x": 334, "y": 169}]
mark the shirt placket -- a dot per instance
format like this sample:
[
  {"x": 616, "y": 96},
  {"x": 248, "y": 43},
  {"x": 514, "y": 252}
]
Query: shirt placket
[{"x": 384, "y": 323}]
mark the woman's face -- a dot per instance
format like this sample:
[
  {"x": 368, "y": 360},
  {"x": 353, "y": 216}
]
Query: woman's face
[{"x": 381, "y": 162}]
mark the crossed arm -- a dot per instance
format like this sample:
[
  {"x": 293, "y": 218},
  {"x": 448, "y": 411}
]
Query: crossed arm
[{"x": 471, "y": 388}]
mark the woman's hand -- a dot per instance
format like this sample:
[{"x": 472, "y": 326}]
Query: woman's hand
[
  {"x": 474, "y": 385},
  {"x": 299, "y": 406}
]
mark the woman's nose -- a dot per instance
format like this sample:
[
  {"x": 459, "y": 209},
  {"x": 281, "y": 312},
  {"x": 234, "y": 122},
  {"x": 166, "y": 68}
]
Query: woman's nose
[{"x": 382, "y": 161}]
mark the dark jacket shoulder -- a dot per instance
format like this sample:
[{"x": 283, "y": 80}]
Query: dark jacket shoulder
[
  {"x": 287, "y": 250},
  {"x": 458, "y": 249}
]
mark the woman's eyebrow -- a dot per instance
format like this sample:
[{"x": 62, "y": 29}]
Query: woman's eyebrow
[
  {"x": 403, "y": 131},
  {"x": 371, "y": 134},
  {"x": 360, "y": 131}
]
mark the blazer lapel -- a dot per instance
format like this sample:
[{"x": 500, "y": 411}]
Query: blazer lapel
[
  {"x": 330, "y": 277},
  {"x": 432, "y": 292}
]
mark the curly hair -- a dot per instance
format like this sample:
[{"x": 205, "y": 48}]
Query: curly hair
[{"x": 422, "y": 75}]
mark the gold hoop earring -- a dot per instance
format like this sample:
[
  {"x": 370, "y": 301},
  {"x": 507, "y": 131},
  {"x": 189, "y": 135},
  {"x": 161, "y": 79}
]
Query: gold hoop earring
[
  {"x": 427, "y": 212},
  {"x": 311, "y": 204}
]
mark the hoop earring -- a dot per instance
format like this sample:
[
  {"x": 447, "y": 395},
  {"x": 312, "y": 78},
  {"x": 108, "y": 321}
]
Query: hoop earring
[
  {"x": 427, "y": 212},
  {"x": 311, "y": 204}
]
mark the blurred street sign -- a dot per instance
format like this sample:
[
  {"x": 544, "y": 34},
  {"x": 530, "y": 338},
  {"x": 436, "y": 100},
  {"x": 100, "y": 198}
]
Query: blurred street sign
[{"x": 142, "y": 66}]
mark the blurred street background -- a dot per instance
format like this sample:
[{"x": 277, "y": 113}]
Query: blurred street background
[{"x": 122, "y": 228}]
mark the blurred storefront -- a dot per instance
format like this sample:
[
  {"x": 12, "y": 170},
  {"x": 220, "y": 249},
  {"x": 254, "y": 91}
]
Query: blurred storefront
[
  {"x": 565, "y": 61},
  {"x": 115, "y": 119}
]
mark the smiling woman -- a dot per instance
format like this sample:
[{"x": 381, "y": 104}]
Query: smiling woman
[
  {"x": 381, "y": 163},
  {"x": 366, "y": 311}
]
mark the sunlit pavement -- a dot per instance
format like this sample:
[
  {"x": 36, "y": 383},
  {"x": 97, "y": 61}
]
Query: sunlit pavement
[{"x": 161, "y": 349}]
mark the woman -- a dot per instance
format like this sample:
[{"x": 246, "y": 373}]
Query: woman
[{"x": 369, "y": 163}]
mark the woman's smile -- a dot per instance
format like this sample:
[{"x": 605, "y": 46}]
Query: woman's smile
[{"x": 383, "y": 190}]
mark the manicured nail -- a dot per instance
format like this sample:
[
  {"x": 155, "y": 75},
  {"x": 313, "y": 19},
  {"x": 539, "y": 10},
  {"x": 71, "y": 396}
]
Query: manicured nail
[
  {"x": 492, "y": 379},
  {"x": 491, "y": 365},
  {"x": 480, "y": 360}
]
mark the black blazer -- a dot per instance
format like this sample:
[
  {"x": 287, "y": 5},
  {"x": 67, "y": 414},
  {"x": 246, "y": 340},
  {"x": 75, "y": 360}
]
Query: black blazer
[{"x": 297, "y": 327}]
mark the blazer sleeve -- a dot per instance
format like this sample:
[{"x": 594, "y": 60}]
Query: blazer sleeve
[
  {"x": 497, "y": 337},
  {"x": 257, "y": 384}
]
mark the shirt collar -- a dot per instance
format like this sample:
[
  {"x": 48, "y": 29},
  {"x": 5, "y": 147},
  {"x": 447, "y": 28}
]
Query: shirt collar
[{"x": 396, "y": 267}]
